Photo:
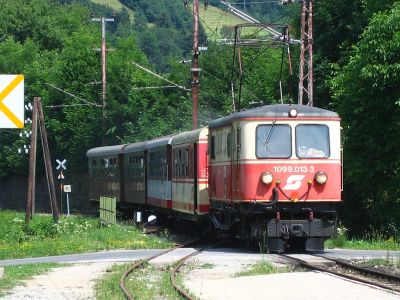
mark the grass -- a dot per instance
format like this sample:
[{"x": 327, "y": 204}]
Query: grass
[
  {"x": 15, "y": 274},
  {"x": 373, "y": 240},
  {"x": 71, "y": 235},
  {"x": 206, "y": 266},
  {"x": 385, "y": 262},
  {"x": 262, "y": 268},
  {"x": 149, "y": 282},
  {"x": 364, "y": 244},
  {"x": 214, "y": 19}
]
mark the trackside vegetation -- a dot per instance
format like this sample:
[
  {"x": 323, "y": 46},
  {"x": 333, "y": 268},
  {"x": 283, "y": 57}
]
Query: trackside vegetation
[
  {"x": 371, "y": 240},
  {"x": 263, "y": 268},
  {"x": 74, "y": 234},
  {"x": 149, "y": 282}
]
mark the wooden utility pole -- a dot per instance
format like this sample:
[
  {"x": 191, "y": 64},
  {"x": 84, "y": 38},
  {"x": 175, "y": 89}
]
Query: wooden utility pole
[
  {"x": 306, "y": 76},
  {"x": 195, "y": 63},
  {"x": 103, "y": 21},
  {"x": 47, "y": 162},
  {"x": 37, "y": 115}
]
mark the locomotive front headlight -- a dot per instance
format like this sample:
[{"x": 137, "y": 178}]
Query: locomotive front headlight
[
  {"x": 293, "y": 113},
  {"x": 267, "y": 177},
  {"x": 321, "y": 177}
]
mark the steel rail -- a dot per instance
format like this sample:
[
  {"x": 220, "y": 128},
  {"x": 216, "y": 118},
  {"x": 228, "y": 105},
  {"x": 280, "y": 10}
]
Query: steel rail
[
  {"x": 350, "y": 277},
  {"x": 140, "y": 263},
  {"x": 366, "y": 271},
  {"x": 173, "y": 272}
]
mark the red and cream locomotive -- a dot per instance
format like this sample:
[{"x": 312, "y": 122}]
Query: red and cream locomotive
[{"x": 271, "y": 174}]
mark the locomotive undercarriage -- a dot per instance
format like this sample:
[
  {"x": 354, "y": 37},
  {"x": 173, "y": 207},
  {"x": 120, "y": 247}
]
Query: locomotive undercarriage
[{"x": 279, "y": 227}]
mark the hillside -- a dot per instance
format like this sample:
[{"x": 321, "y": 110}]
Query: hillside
[{"x": 115, "y": 5}]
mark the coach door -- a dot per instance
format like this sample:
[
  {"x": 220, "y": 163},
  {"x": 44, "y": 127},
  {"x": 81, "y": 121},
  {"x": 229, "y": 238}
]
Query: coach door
[
  {"x": 194, "y": 160},
  {"x": 235, "y": 161}
]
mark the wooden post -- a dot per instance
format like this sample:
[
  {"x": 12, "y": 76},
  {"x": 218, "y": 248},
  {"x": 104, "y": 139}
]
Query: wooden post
[
  {"x": 47, "y": 162},
  {"x": 30, "y": 199}
]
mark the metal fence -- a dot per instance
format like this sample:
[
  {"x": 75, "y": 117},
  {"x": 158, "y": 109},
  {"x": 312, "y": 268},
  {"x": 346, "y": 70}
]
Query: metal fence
[{"x": 108, "y": 210}]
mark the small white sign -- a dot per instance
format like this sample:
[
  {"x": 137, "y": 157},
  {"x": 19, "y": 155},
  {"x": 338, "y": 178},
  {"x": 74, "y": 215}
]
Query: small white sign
[
  {"x": 11, "y": 101},
  {"x": 67, "y": 189}
]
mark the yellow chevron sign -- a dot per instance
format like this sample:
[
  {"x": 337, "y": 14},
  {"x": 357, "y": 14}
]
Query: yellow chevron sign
[{"x": 11, "y": 101}]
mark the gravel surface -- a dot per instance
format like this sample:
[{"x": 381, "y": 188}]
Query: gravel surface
[
  {"x": 282, "y": 286},
  {"x": 211, "y": 275},
  {"x": 72, "y": 282}
]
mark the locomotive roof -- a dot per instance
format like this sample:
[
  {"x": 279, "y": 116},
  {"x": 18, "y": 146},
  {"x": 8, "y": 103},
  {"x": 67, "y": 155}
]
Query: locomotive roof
[
  {"x": 106, "y": 150},
  {"x": 275, "y": 111},
  {"x": 190, "y": 136}
]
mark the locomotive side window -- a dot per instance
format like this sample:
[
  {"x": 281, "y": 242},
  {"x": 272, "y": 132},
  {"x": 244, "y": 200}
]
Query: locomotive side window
[
  {"x": 312, "y": 141},
  {"x": 273, "y": 141}
]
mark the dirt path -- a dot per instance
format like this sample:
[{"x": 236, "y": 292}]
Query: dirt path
[{"x": 71, "y": 282}]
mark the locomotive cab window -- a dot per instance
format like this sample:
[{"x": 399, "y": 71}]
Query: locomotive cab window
[
  {"x": 273, "y": 141},
  {"x": 312, "y": 141}
]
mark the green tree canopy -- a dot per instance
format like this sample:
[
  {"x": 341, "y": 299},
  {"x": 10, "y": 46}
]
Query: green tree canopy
[{"x": 367, "y": 96}]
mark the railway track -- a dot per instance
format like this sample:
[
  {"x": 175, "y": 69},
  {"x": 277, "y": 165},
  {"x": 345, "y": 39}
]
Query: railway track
[
  {"x": 142, "y": 262},
  {"x": 345, "y": 269},
  {"x": 173, "y": 272}
]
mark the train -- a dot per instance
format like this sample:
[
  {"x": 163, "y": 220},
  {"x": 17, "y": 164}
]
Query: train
[{"x": 270, "y": 175}]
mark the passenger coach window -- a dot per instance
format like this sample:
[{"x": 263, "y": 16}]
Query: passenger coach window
[
  {"x": 213, "y": 147},
  {"x": 228, "y": 144},
  {"x": 312, "y": 141},
  {"x": 273, "y": 141}
]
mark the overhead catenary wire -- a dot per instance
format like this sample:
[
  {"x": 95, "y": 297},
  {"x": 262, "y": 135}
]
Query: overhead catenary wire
[
  {"x": 160, "y": 77},
  {"x": 74, "y": 96},
  {"x": 66, "y": 105},
  {"x": 155, "y": 87}
]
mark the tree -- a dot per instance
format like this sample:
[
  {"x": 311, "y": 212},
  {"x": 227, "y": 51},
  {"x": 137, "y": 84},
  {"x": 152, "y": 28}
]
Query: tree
[{"x": 367, "y": 97}]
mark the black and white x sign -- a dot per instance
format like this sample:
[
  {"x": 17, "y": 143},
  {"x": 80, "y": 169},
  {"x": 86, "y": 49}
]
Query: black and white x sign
[{"x": 61, "y": 164}]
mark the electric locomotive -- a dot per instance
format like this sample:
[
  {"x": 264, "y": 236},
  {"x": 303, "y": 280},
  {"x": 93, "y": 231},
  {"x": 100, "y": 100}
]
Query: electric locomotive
[
  {"x": 275, "y": 175},
  {"x": 271, "y": 175}
]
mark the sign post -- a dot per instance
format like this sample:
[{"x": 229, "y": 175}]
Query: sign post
[
  {"x": 67, "y": 190},
  {"x": 60, "y": 167}
]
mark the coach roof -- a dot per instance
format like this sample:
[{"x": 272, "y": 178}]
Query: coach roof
[
  {"x": 135, "y": 147},
  {"x": 275, "y": 111},
  {"x": 103, "y": 151},
  {"x": 159, "y": 142}
]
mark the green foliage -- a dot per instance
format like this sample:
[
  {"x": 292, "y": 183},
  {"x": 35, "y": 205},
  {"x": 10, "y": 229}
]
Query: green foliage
[
  {"x": 338, "y": 241},
  {"x": 164, "y": 29},
  {"x": 70, "y": 235},
  {"x": 367, "y": 97}
]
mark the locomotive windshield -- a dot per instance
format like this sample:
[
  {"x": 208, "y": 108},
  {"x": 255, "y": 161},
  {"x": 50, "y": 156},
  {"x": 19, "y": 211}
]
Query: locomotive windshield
[
  {"x": 273, "y": 141},
  {"x": 312, "y": 141}
]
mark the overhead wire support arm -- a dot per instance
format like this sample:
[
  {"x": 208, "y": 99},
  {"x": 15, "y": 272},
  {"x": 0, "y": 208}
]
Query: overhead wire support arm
[
  {"x": 160, "y": 77},
  {"x": 276, "y": 34}
]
